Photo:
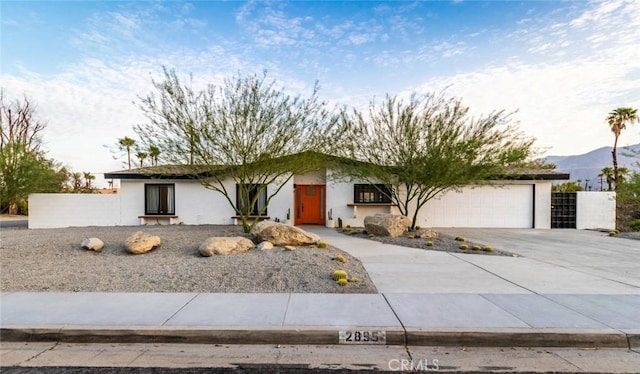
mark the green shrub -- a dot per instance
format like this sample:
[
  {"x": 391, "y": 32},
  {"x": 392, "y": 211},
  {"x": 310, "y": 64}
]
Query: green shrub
[
  {"x": 342, "y": 282},
  {"x": 348, "y": 226},
  {"x": 612, "y": 233},
  {"x": 464, "y": 246},
  {"x": 353, "y": 232},
  {"x": 365, "y": 232},
  {"x": 339, "y": 274},
  {"x": 322, "y": 244},
  {"x": 459, "y": 238},
  {"x": 418, "y": 228},
  {"x": 354, "y": 280},
  {"x": 429, "y": 244},
  {"x": 341, "y": 259},
  {"x": 635, "y": 225},
  {"x": 476, "y": 247},
  {"x": 23, "y": 207},
  {"x": 488, "y": 248},
  {"x": 410, "y": 236},
  {"x": 371, "y": 236}
]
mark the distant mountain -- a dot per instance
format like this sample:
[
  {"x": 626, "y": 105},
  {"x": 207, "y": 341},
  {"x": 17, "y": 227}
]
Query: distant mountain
[{"x": 589, "y": 165}]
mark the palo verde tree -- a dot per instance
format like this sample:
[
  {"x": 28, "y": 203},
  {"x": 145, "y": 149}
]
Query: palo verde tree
[
  {"x": 24, "y": 168},
  {"x": 617, "y": 120},
  {"x": 427, "y": 145},
  {"x": 246, "y": 129}
]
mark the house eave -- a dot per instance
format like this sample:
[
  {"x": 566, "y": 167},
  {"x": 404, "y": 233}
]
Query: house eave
[{"x": 147, "y": 176}]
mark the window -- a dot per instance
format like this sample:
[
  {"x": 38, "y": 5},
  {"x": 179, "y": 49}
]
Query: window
[
  {"x": 246, "y": 195},
  {"x": 371, "y": 193},
  {"x": 159, "y": 199}
]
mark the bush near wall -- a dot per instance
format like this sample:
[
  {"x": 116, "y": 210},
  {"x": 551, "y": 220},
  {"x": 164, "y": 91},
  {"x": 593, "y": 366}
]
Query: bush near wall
[
  {"x": 20, "y": 208},
  {"x": 628, "y": 204}
]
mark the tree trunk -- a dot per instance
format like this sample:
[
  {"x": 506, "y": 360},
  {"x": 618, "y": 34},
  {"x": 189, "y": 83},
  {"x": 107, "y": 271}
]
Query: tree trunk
[{"x": 614, "y": 156}]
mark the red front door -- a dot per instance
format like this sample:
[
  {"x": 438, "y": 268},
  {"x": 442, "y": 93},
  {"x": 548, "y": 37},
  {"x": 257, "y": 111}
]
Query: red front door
[{"x": 310, "y": 200}]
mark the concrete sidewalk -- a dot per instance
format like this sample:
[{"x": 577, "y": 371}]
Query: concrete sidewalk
[
  {"x": 426, "y": 298},
  {"x": 413, "y": 319}
]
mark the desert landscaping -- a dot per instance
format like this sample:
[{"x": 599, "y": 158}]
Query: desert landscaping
[{"x": 53, "y": 260}]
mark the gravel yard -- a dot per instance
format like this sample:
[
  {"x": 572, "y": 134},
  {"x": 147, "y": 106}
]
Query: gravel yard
[
  {"x": 442, "y": 243},
  {"x": 52, "y": 260}
]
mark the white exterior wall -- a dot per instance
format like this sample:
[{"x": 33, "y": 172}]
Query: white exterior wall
[
  {"x": 52, "y": 210},
  {"x": 504, "y": 205},
  {"x": 340, "y": 193},
  {"x": 313, "y": 177},
  {"x": 596, "y": 210},
  {"x": 282, "y": 202},
  {"x": 543, "y": 204},
  {"x": 194, "y": 205},
  {"x": 485, "y": 206},
  {"x": 197, "y": 205}
]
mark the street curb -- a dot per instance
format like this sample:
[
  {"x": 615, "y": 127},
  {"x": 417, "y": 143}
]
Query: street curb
[
  {"x": 204, "y": 335},
  {"x": 518, "y": 338},
  {"x": 324, "y": 336},
  {"x": 634, "y": 340}
]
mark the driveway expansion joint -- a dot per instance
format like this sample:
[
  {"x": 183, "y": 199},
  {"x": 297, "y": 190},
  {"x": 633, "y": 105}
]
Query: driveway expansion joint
[{"x": 180, "y": 309}]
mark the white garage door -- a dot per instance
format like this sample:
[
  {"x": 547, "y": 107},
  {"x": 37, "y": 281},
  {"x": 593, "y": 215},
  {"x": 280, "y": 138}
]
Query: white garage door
[{"x": 509, "y": 206}]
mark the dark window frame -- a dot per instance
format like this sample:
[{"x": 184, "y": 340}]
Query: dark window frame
[
  {"x": 371, "y": 194},
  {"x": 169, "y": 204},
  {"x": 256, "y": 209}
]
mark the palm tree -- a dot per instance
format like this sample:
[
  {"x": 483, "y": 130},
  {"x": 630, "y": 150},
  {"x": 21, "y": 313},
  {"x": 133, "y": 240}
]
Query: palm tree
[
  {"x": 76, "y": 180},
  {"x": 617, "y": 121},
  {"x": 88, "y": 177},
  {"x": 607, "y": 172},
  {"x": 623, "y": 173},
  {"x": 154, "y": 152},
  {"x": 126, "y": 143},
  {"x": 141, "y": 156}
]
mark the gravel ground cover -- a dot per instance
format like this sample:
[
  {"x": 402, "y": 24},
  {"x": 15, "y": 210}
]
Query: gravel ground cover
[
  {"x": 52, "y": 260},
  {"x": 443, "y": 243}
]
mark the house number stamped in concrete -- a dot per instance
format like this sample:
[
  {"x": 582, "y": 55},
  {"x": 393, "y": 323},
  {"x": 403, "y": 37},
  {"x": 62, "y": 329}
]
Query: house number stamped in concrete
[{"x": 362, "y": 337}]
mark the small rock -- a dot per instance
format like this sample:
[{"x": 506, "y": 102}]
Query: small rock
[
  {"x": 225, "y": 246},
  {"x": 289, "y": 248},
  {"x": 141, "y": 242},
  {"x": 264, "y": 246},
  {"x": 93, "y": 244},
  {"x": 426, "y": 233}
]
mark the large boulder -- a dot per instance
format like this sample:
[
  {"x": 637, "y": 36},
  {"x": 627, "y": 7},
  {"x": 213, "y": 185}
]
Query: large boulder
[
  {"x": 280, "y": 234},
  {"x": 225, "y": 246},
  {"x": 93, "y": 244},
  {"x": 141, "y": 242},
  {"x": 383, "y": 224}
]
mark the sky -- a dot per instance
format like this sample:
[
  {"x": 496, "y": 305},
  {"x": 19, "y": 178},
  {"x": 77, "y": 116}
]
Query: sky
[{"x": 560, "y": 66}]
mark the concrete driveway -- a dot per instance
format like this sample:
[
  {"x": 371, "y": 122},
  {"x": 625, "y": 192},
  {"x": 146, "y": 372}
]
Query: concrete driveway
[
  {"x": 551, "y": 262},
  {"x": 587, "y": 252}
]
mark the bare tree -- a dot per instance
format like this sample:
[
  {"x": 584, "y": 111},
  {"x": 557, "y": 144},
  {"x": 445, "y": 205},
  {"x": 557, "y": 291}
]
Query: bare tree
[
  {"x": 24, "y": 168},
  {"x": 18, "y": 124}
]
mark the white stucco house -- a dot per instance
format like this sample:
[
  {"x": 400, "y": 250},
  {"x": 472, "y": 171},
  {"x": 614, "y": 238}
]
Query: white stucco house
[{"x": 521, "y": 201}]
